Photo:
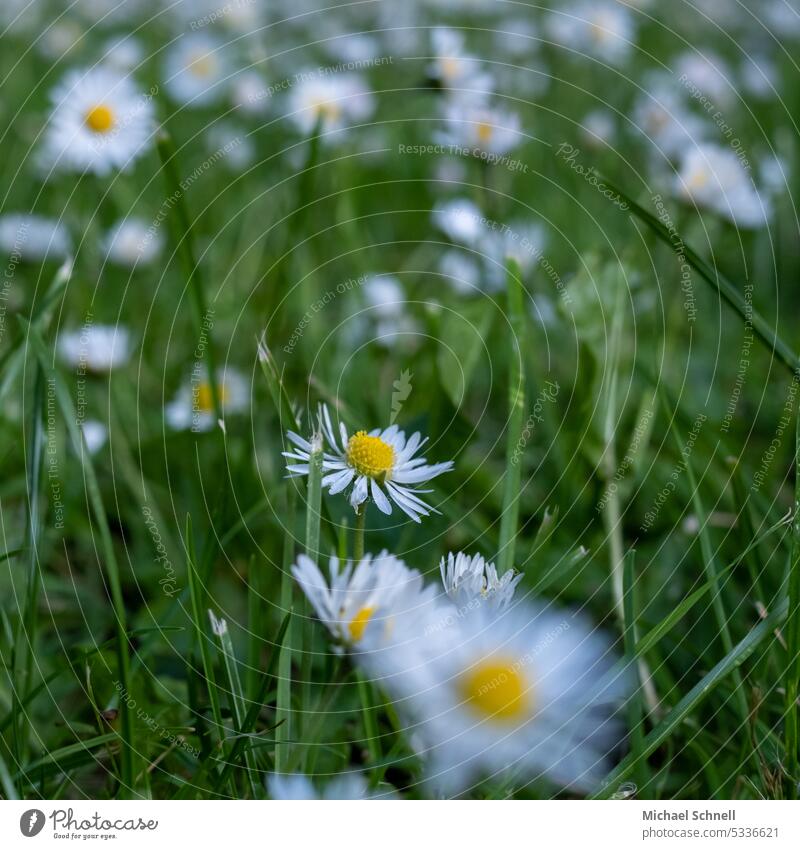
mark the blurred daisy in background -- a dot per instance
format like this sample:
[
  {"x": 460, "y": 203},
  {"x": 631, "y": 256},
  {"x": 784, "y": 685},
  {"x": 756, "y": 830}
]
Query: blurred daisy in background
[
  {"x": 365, "y": 597},
  {"x": 195, "y": 69},
  {"x": 664, "y": 120},
  {"x": 468, "y": 579},
  {"x": 461, "y": 270},
  {"x": 526, "y": 692},
  {"x": 123, "y": 53},
  {"x": 192, "y": 408},
  {"x": 453, "y": 68},
  {"x": 345, "y": 786},
  {"x": 33, "y": 238},
  {"x": 481, "y": 128},
  {"x": 234, "y": 143},
  {"x": 132, "y": 242},
  {"x": 714, "y": 177},
  {"x": 599, "y": 128},
  {"x": 381, "y": 464},
  {"x": 709, "y": 74},
  {"x": 99, "y": 123},
  {"x": 604, "y": 29},
  {"x": 97, "y": 348},
  {"x": 461, "y": 221},
  {"x": 95, "y": 434},
  {"x": 250, "y": 92},
  {"x": 332, "y": 100}
]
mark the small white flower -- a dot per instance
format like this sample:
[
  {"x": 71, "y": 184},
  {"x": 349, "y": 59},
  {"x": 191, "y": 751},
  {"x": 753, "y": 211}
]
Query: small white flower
[
  {"x": 709, "y": 74},
  {"x": 469, "y": 579},
  {"x": 525, "y": 691},
  {"x": 481, "y": 128},
  {"x": 385, "y": 295},
  {"x": 381, "y": 464},
  {"x": 124, "y": 53},
  {"x": 100, "y": 123},
  {"x": 96, "y": 348},
  {"x": 603, "y": 28},
  {"x": 461, "y": 270},
  {"x": 347, "y": 786},
  {"x": 660, "y": 114},
  {"x": 195, "y": 69},
  {"x": 250, "y": 92},
  {"x": 233, "y": 143},
  {"x": 461, "y": 221},
  {"x": 131, "y": 242},
  {"x": 454, "y": 68},
  {"x": 33, "y": 238},
  {"x": 95, "y": 434},
  {"x": 192, "y": 408},
  {"x": 598, "y": 128},
  {"x": 713, "y": 177},
  {"x": 362, "y": 602},
  {"x": 335, "y": 100}
]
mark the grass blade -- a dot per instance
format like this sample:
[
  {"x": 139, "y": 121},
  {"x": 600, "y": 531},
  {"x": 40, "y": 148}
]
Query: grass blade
[{"x": 793, "y": 634}]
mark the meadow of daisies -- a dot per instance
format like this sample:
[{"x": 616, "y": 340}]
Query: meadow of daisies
[{"x": 399, "y": 399}]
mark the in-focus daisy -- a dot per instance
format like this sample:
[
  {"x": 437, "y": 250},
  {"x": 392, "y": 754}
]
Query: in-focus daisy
[
  {"x": 192, "y": 408},
  {"x": 195, "y": 69},
  {"x": 526, "y": 691},
  {"x": 346, "y": 786},
  {"x": 469, "y": 579},
  {"x": 95, "y": 348},
  {"x": 33, "y": 238},
  {"x": 381, "y": 465},
  {"x": 714, "y": 177},
  {"x": 364, "y": 599},
  {"x": 482, "y": 129},
  {"x": 131, "y": 242},
  {"x": 335, "y": 100},
  {"x": 100, "y": 123}
]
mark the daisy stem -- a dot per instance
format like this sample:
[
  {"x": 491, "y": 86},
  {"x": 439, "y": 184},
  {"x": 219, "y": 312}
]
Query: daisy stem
[
  {"x": 516, "y": 399},
  {"x": 793, "y": 634},
  {"x": 358, "y": 532},
  {"x": 365, "y": 692},
  {"x": 283, "y": 711}
]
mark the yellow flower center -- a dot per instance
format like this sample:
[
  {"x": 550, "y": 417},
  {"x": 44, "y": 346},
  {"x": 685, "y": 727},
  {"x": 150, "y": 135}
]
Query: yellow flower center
[
  {"x": 485, "y": 132},
  {"x": 204, "y": 397},
  {"x": 370, "y": 455},
  {"x": 698, "y": 179},
  {"x": 358, "y": 624},
  {"x": 203, "y": 65},
  {"x": 328, "y": 110},
  {"x": 450, "y": 67},
  {"x": 496, "y": 688},
  {"x": 100, "y": 119}
]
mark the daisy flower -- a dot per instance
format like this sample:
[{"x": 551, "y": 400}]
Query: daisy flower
[
  {"x": 131, "y": 242},
  {"x": 603, "y": 29},
  {"x": 334, "y": 99},
  {"x": 380, "y": 464},
  {"x": 481, "y": 128},
  {"x": 365, "y": 599},
  {"x": 713, "y": 177},
  {"x": 192, "y": 408},
  {"x": 661, "y": 116},
  {"x": 454, "y": 68},
  {"x": 709, "y": 74},
  {"x": 525, "y": 691},
  {"x": 468, "y": 579},
  {"x": 33, "y": 238},
  {"x": 195, "y": 68},
  {"x": 461, "y": 220},
  {"x": 347, "y": 786},
  {"x": 100, "y": 123},
  {"x": 97, "y": 348},
  {"x": 95, "y": 433}
]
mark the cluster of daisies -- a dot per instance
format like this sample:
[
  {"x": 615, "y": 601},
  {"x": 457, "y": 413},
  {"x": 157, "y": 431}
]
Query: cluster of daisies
[{"x": 487, "y": 683}]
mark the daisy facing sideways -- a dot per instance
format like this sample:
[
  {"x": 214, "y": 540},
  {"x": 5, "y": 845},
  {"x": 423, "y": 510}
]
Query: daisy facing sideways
[
  {"x": 363, "y": 602},
  {"x": 469, "y": 579},
  {"x": 192, "y": 408},
  {"x": 100, "y": 123},
  {"x": 380, "y": 464},
  {"x": 529, "y": 691}
]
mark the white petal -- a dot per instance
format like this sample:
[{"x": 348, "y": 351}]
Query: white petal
[{"x": 381, "y": 501}]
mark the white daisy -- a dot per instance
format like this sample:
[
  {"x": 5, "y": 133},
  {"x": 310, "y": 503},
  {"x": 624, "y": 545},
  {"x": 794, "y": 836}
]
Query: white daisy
[
  {"x": 249, "y": 92},
  {"x": 453, "y": 67},
  {"x": 192, "y": 408},
  {"x": 599, "y": 128},
  {"x": 363, "y": 602},
  {"x": 603, "y": 29},
  {"x": 33, "y": 238},
  {"x": 481, "y": 128},
  {"x": 195, "y": 69},
  {"x": 131, "y": 242},
  {"x": 347, "y": 786},
  {"x": 335, "y": 100},
  {"x": 100, "y": 123},
  {"x": 384, "y": 293},
  {"x": 95, "y": 433},
  {"x": 461, "y": 220},
  {"x": 461, "y": 270},
  {"x": 709, "y": 74},
  {"x": 661, "y": 116},
  {"x": 468, "y": 579},
  {"x": 380, "y": 464},
  {"x": 234, "y": 143},
  {"x": 525, "y": 691},
  {"x": 123, "y": 52},
  {"x": 713, "y": 177},
  {"x": 96, "y": 348}
]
